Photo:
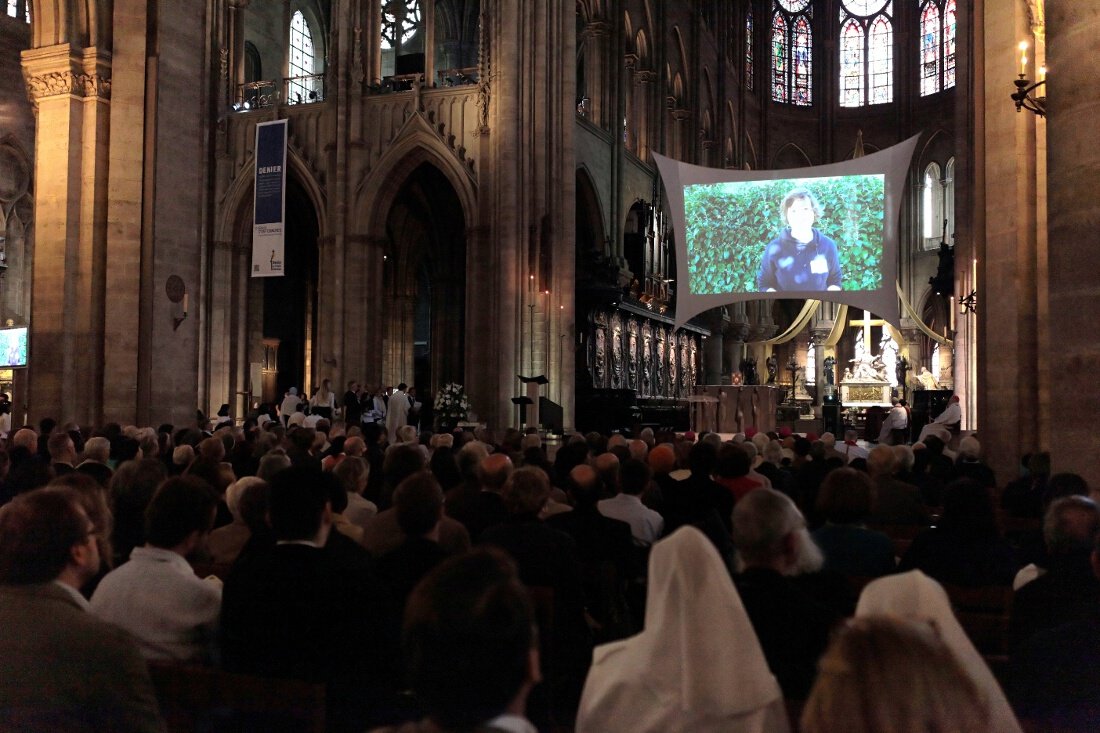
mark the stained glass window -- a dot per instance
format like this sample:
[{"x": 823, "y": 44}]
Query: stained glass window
[
  {"x": 866, "y": 53},
  {"x": 937, "y": 46},
  {"x": 301, "y": 88},
  {"x": 748, "y": 48},
  {"x": 792, "y": 52},
  {"x": 400, "y": 20}
]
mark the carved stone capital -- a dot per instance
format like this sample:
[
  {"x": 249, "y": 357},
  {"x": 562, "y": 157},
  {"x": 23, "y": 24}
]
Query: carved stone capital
[
  {"x": 599, "y": 28},
  {"x": 644, "y": 76},
  {"x": 630, "y": 60},
  {"x": 60, "y": 83},
  {"x": 681, "y": 114}
]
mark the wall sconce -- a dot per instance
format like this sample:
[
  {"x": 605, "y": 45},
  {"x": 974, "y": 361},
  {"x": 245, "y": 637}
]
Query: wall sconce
[
  {"x": 1024, "y": 87},
  {"x": 969, "y": 303}
]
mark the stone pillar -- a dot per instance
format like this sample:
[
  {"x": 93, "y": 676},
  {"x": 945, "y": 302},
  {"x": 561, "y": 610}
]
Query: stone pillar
[
  {"x": 1073, "y": 166},
  {"x": 71, "y": 90},
  {"x": 595, "y": 62},
  {"x": 644, "y": 79},
  {"x": 818, "y": 335},
  {"x": 714, "y": 348},
  {"x": 398, "y": 345},
  {"x": 1006, "y": 234},
  {"x": 735, "y": 334}
]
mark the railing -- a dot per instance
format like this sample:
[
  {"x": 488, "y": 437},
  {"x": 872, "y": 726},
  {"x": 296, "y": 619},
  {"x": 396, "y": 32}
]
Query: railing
[
  {"x": 457, "y": 77},
  {"x": 267, "y": 92}
]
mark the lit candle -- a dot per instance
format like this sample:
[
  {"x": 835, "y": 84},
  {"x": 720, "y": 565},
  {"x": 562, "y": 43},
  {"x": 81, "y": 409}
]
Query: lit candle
[
  {"x": 1042, "y": 73},
  {"x": 185, "y": 295},
  {"x": 951, "y": 318},
  {"x": 1023, "y": 58}
]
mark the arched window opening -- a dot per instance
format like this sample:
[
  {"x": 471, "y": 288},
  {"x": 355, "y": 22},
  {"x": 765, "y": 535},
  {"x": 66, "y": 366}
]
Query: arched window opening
[
  {"x": 937, "y": 46},
  {"x": 303, "y": 84},
  {"x": 931, "y": 208},
  {"x": 402, "y": 41},
  {"x": 792, "y": 52},
  {"x": 866, "y": 53},
  {"x": 949, "y": 199}
]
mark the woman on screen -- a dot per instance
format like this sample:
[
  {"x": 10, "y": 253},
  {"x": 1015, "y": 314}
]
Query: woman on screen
[{"x": 801, "y": 257}]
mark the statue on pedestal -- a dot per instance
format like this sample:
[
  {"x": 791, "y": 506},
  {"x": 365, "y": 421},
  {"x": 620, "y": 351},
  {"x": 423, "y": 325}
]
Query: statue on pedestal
[
  {"x": 830, "y": 370},
  {"x": 773, "y": 368}
]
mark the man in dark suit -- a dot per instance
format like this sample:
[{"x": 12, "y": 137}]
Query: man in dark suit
[
  {"x": 418, "y": 504},
  {"x": 65, "y": 670},
  {"x": 309, "y": 607},
  {"x": 62, "y": 453},
  {"x": 353, "y": 410},
  {"x": 97, "y": 451}
]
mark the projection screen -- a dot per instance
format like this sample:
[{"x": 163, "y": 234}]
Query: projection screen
[{"x": 826, "y": 232}]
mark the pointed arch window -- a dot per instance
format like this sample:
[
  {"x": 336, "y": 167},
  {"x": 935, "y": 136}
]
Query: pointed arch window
[
  {"x": 931, "y": 207},
  {"x": 303, "y": 85},
  {"x": 792, "y": 52},
  {"x": 937, "y": 45},
  {"x": 866, "y": 52}
]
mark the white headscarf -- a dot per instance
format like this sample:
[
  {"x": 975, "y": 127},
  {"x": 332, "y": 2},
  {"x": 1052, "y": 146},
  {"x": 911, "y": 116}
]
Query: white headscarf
[
  {"x": 915, "y": 596},
  {"x": 696, "y": 667}
]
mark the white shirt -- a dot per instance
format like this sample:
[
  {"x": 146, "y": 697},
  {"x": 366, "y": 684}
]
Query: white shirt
[
  {"x": 646, "y": 525},
  {"x": 852, "y": 451},
  {"x": 296, "y": 419},
  {"x": 951, "y": 415},
  {"x": 156, "y": 596},
  {"x": 512, "y": 724}
]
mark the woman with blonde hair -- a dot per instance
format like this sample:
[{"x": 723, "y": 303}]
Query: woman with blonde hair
[{"x": 883, "y": 674}]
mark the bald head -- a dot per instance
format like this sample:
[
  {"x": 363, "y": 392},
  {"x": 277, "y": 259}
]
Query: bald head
[
  {"x": 25, "y": 438},
  {"x": 493, "y": 472},
  {"x": 638, "y": 449},
  {"x": 607, "y": 466},
  {"x": 881, "y": 461},
  {"x": 354, "y": 446}
]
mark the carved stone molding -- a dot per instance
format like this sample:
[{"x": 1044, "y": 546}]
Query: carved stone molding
[
  {"x": 58, "y": 83},
  {"x": 644, "y": 76}
]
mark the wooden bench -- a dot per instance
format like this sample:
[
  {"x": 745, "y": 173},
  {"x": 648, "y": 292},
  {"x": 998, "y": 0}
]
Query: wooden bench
[
  {"x": 983, "y": 613},
  {"x": 194, "y": 698}
]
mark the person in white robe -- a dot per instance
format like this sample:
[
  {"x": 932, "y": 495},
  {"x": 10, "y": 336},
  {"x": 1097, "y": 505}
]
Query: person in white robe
[
  {"x": 697, "y": 666},
  {"x": 915, "y": 596}
]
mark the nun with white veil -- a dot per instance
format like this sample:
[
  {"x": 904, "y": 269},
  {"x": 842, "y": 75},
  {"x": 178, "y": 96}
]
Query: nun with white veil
[
  {"x": 697, "y": 666},
  {"x": 917, "y": 597}
]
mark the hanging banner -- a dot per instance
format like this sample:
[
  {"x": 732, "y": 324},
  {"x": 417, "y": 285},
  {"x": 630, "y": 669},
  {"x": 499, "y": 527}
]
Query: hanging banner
[
  {"x": 269, "y": 209},
  {"x": 828, "y": 232}
]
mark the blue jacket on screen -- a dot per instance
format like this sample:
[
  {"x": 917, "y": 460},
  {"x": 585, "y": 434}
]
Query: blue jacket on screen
[{"x": 786, "y": 267}]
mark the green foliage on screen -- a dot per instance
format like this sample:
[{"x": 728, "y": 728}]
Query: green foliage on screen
[{"x": 729, "y": 225}]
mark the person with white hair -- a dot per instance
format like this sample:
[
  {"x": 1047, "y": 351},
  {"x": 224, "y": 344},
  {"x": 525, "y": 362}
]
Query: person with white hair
[
  {"x": 697, "y": 666},
  {"x": 97, "y": 451},
  {"x": 969, "y": 464},
  {"x": 225, "y": 543},
  {"x": 792, "y": 623}
]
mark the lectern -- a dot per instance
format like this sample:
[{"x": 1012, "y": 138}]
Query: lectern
[{"x": 528, "y": 402}]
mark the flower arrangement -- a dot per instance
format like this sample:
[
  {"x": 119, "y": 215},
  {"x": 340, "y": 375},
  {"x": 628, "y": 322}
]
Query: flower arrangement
[{"x": 451, "y": 404}]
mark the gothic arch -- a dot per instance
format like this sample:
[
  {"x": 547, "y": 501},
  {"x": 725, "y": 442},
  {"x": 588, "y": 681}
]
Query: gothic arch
[
  {"x": 790, "y": 155},
  {"x": 589, "y": 196},
  {"x": 237, "y": 198},
  {"x": 416, "y": 143}
]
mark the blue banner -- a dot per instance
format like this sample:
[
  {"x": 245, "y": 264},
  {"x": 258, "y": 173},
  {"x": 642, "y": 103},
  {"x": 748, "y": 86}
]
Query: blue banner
[{"x": 269, "y": 206}]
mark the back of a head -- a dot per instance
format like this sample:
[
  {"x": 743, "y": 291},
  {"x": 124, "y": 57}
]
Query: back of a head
[
  {"x": 352, "y": 473},
  {"x": 493, "y": 472},
  {"x": 236, "y": 490},
  {"x": 354, "y": 446},
  {"x": 905, "y": 457},
  {"x": 467, "y": 639},
  {"x": 1071, "y": 525},
  {"x": 829, "y": 440},
  {"x": 638, "y": 449},
  {"x": 25, "y": 438},
  {"x": 846, "y": 496},
  {"x": 882, "y": 674},
  {"x": 773, "y": 453},
  {"x": 418, "y": 502},
  {"x": 406, "y": 434},
  {"x": 296, "y": 502},
  {"x": 1066, "y": 484},
  {"x": 702, "y": 459},
  {"x": 97, "y": 449},
  {"x": 181, "y": 506},
  {"x": 401, "y": 462},
  {"x": 585, "y": 485},
  {"x": 733, "y": 461},
  {"x": 59, "y": 446},
  {"x": 970, "y": 448},
  {"x": 662, "y": 459},
  {"x": 212, "y": 448},
  {"x": 634, "y": 476},
  {"x": 1039, "y": 464},
  {"x": 137, "y": 478},
  {"x": 526, "y": 491},
  {"x": 881, "y": 461},
  {"x": 37, "y": 532},
  {"x": 607, "y": 466},
  {"x": 761, "y": 519},
  {"x": 271, "y": 464}
]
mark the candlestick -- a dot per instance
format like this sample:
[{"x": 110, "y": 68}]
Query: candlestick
[{"x": 1023, "y": 58}]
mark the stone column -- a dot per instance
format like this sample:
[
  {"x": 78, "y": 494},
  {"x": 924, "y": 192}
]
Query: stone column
[
  {"x": 644, "y": 80},
  {"x": 714, "y": 348},
  {"x": 735, "y": 334},
  {"x": 1073, "y": 166},
  {"x": 818, "y": 335},
  {"x": 71, "y": 90},
  {"x": 595, "y": 62}
]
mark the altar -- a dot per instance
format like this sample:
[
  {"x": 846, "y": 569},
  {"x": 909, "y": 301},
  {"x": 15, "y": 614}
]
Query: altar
[
  {"x": 865, "y": 394},
  {"x": 729, "y": 408}
]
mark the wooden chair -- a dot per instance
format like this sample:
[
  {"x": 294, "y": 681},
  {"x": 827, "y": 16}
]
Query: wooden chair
[
  {"x": 204, "y": 699},
  {"x": 983, "y": 613}
]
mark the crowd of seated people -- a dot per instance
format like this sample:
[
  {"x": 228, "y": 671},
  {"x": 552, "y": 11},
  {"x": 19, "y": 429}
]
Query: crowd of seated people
[{"x": 675, "y": 582}]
